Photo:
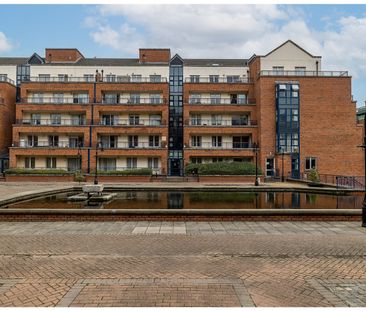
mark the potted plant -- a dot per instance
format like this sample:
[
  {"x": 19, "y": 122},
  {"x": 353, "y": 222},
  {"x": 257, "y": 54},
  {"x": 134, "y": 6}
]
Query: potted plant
[{"x": 314, "y": 179}]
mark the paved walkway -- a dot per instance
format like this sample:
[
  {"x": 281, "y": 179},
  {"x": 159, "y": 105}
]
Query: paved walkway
[{"x": 183, "y": 264}]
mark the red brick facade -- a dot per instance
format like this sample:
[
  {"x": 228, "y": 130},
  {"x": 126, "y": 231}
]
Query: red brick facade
[{"x": 7, "y": 114}]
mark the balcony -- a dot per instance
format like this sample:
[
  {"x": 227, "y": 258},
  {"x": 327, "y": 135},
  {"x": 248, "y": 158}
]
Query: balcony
[
  {"x": 140, "y": 122},
  {"x": 222, "y": 146},
  {"x": 46, "y": 144},
  {"x": 218, "y": 79},
  {"x": 7, "y": 80},
  {"x": 128, "y": 145},
  {"x": 134, "y": 101},
  {"x": 52, "y": 122},
  {"x": 299, "y": 73},
  {"x": 92, "y": 79},
  {"x": 54, "y": 100},
  {"x": 221, "y": 123}
]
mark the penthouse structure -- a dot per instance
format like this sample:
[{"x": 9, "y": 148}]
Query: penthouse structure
[{"x": 162, "y": 112}]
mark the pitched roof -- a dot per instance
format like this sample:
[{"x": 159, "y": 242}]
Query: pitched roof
[{"x": 290, "y": 41}]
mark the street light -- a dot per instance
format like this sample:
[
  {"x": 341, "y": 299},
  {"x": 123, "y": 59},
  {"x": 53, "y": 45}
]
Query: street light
[
  {"x": 255, "y": 149},
  {"x": 97, "y": 147},
  {"x": 282, "y": 149},
  {"x": 364, "y": 148}
]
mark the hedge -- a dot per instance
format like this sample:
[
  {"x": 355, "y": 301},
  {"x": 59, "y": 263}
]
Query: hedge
[
  {"x": 223, "y": 168},
  {"x": 131, "y": 172},
  {"x": 27, "y": 171}
]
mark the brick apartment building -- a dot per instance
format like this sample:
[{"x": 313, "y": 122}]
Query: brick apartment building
[{"x": 164, "y": 112}]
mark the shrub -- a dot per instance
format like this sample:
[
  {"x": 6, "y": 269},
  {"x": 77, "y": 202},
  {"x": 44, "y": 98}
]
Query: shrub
[
  {"x": 79, "y": 177},
  {"x": 29, "y": 171},
  {"x": 131, "y": 172},
  {"x": 223, "y": 168},
  {"x": 313, "y": 176}
]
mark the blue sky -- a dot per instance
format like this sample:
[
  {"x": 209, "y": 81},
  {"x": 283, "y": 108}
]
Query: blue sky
[{"x": 336, "y": 32}]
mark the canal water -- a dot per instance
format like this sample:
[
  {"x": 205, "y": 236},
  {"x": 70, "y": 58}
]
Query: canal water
[{"x": 203, "y": 200}]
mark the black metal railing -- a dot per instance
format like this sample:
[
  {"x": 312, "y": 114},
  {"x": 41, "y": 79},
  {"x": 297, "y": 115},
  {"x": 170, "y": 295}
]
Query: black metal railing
[
  {"x": 305, "y": 73},
  {"x": 220, "y": 146},
  {"x": 126, "y": 122},
  {"x": 54, "y": 100},
  {"x": 52, "y": 122},
  {"x": 41, "y": 144},
  {"x": 218, "y": 79},
  {"x": 224, "y": 123},
  {"x": 134, "y": 101},
  {"x": 129, "y": 145},
  {"x": 352, "y": 182}
]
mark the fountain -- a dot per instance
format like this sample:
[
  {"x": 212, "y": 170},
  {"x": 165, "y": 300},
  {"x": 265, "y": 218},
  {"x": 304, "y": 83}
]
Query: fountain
[{"x": 93, "y": 193}]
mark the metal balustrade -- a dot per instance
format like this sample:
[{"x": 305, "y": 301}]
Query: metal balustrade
[
  {"x": 134, "y": 101},
  {"x": 126, "y": 122},
  {"x": 54, "y": 100},
  {"x": 224, "y": 145},
  {"x": 219, "y": 79},
  {"x": 217, "y": 101},
  {"x": 306, "y": 73},
  {"x": 52, "y": 122},
  {"x": 129, "y": 145},
  {"x": 224, "y": 123},
  {"x": 39, "y": 144},
  {"x": 104, "y": 79},
  {"x": 6, "y": 79}
]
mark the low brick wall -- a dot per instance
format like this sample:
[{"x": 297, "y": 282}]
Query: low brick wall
[
  {"x": 229, "y": 178},
  {"x": 116, "y": 178},
  {"x": 39, "y": 178}
]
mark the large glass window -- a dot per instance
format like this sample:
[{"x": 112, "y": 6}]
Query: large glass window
[
  {"x": 107, "y": 164},
  {"x": 196, "y": 141},
  {"x": 217, "y": 141},
  {"x": 55, "y": 119},
  {"x": 240, "y": 142},
  {"x": 51, "y": 162},
  {"x": 131, "y": 163},
  {"x": 30, "y": 162},
  {"x": 195, "y": 98},
  {"x": 215, "y": 99},
  {"x": 194, "y": 79},
  {"x": 133, "y": 141},
  {"x": 134, "y": 119},
  {"x": 214, "y": 78}
]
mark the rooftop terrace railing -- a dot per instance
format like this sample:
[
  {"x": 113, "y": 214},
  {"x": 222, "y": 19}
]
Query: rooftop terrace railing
[
  {"x": 227, "y": 79},
  {"x": 6, "y": 79},
  {"x": 298, "y": 73},
  {"x": 117, "y": 79}
]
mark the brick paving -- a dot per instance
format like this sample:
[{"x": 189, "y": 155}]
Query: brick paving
[{"x": 317, "y": 264}]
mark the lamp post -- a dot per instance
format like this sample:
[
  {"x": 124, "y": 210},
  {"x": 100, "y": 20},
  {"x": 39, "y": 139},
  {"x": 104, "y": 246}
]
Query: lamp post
[
  {"x": 283, "y": 166},
  {"x": 255, "y": 149},
  {"x": 97, "y": 147},
  {"x": 79, "y": 156}
]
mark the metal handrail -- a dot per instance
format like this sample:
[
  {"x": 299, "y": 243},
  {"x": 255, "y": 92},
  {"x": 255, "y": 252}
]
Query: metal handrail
[
  {"x": 54, "y": 100},
  {"x": 134, "y": 101},
  {"x": 105, "y": 79},
  {"x": 68, "y": 122},
  {"x": 306, "y": 73},
  {"x": 230, "y": 146},
  {"x": 210, "y": 122},
  {"x": 127, "y": 145},
  {"x": 126, "y": 122},
  {"x": 6, "y": 79},
  {"x": 39, "y": 144},
  {"x": 216, "y": 101},
  {"x": 219, "y": 79}
]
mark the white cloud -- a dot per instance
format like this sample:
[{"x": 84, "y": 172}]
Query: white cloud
[
  {"x": 230, "y": 31},
  {"x": 5, "y": 44}
]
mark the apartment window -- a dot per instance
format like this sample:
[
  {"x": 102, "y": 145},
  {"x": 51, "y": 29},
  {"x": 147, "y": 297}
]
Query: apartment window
[
  {"x": 155, "y": 78},
  {"x": 196, "y": 160},
  {"x": 242, "y": 99},
  {"x": 51, "y": 163},
  {"x": 215, "y": 99},
  {"x": 108, "y": 119},
  {"x": 216, "y": 120},
  {"x": 53, "y": 141},
  {"x": 44, "y": 77},
  {"x": 196, "y": 119},
  {"x": 111, "y": 98},
  {"x": 131, "y": 163},
  {"x": 55, "y": 119},
  {"x": 111, "y": 78},
  {"x": 89, "y": 78},
  {"x": 3, "y": 77},
  {"x": 154, "y": 141},
  {"x": 80, "y": 98},
  {"x": 109, "y": 141},
  {"x": 133, "y": 141},
  {"x": 37, "y": 98},
  {"x": 300, "y": 71},
  {"x": 58, "y": 98},
  {"x": 216, "y": 159},
  {"x": 194, "y": 78},
  {"x": 134, "y": 119},
  {"x": 107, "y": 164},
  {"x": 32, "y": 141},
  {"x": 239, "y": 120},
  {"x": 278, "y": 70},
  {"x": 310, "y": 163},
  {"x": 214, "y": 79},
  {"x": 35, "y": 119},
  {"x": 233, "y": 79},
  {"x": 75, "y": 142},
  {"x": 195, "y": 99},
  {"x": 63, "y": 78},
  {"x": 77, "y": 119},
  {"x": 136, "y": 78},
  {"x": 30, "y": 162},
  {"x": 240, "y": 141},
  {"x": 196, "y": 141},
  {"x": 155, "y": 99},
  {"x": 135, "y": 98},
  {"x": 155, "y": 120},
  {"x": 153, "y": 163},
  {"x": 216, "y": 141}
]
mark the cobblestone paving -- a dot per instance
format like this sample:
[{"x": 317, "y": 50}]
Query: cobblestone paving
[{"x": 248, "y": 264}]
